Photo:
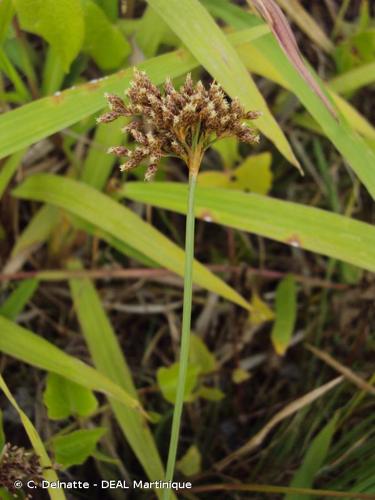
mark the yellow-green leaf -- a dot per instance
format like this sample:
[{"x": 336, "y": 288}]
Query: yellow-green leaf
[
  {"x": 254, "y": 174},
  {"x": 291, "y": 223},
  {"x": 121, "y": 223},
  {"x": 260, "y": 311},
  {"x": 286, "y": 314},
  {"x": 191, "y": 463}
]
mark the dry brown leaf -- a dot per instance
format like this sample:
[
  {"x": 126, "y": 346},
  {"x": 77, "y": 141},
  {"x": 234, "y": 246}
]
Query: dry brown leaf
[
  {"x": 279, "y": 25},
  {"x": 346, "y": 372},
  {"x": 307, "y": 24},
  {"x": 291, "y": 408}
]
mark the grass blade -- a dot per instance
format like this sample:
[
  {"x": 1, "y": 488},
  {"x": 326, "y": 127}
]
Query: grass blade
[
  {"x": 297, "y": 225},
  {"x": 191, "y": 22},
  {"x": 313, "y": 460},
  {"x": 15, "y": 303},
  {"x": 121, "y": 223},
  {"x": 352, "y": 147},
  {"x": 8, "y": 170},
  {"x": 286, "y": 412},
  {"x": 34, "y": 350},
  {"x": 107, "y": 356}
]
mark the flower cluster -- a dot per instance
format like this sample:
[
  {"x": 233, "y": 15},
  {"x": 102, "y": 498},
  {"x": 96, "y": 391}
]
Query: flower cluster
[
  {"x": 180, "y": 123},
  {"x": 18, "y": 465}
]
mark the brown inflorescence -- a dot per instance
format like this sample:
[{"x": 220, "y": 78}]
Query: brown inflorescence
[
  {"x": 180, "y": 123},
  {"x": 18, "y": 465}
]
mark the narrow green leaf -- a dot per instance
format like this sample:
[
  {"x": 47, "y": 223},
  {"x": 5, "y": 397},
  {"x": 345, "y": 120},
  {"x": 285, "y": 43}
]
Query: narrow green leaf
[
  {"x": 354, "y": 79},
  {"x": 150, "y": 32},
  {"x": 60, "y": 23},
  {"x": 33, "y": 236},
  {"x": 107, "y": 356},
  {"x": 8, "y": 169},
  {"x": 6, "y": 14},
  {"x": 36, "y": 442},
  {"x": 75, "y": 448},
  {"x": 297, "y": 225},
  {"x": 103, "y": 41},
  {"x": 65, "y": 398},
  {"x": 98, "y": 163},
  {"x": 120, "y": 222},
  {"x": 352, "y": 147},
  {"x": 191, "y": 22},
  {"x": 313, "y": 460},
  {"x": 17, "y": 300},
  {"x": 34, "y": 350},
  {"x": 286, "y": 314}
]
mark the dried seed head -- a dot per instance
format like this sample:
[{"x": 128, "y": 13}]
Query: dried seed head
[
  {"x": 177, "y": 123},
  {"x": 17, "y": 465}
]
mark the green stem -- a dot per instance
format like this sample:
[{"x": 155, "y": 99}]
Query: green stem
[{"x": 185, "y": 337}]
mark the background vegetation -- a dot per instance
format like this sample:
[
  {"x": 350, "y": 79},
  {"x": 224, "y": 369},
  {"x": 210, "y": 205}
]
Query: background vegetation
[{"x": 280, "y": 385}]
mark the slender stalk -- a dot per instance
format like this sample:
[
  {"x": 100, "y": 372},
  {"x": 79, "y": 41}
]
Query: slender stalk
[{"x": 185, "y": 336}]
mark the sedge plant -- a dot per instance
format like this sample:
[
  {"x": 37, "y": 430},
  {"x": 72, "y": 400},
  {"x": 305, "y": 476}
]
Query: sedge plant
[{"x": 181, "y": 124}]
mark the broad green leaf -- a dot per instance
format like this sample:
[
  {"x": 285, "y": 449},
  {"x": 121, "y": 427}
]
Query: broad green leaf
[
  {"x": 191, "y": 463},
  {"x": 75, "y": 448},
  {"x": 107, "y": 356},
  {"x": 49, "y": 473},
  {"x": 355, "y": 50},
  {"x": 200, "y": 356},
  {"x": 103, "y": 41},
  {"x": 291, "y": 223},
  {"x": 209, "y": 393},
  {"x": 254, "y": 174},
  {"x": 265, "y": 51},
  {"x": 30, "y": 123},
  {"x": 260, "y": 311},
  {"x": 286, "y": 314},
  {"x": 60, "y": 23},
  {"x": 313, "y": 460},
  {"x": 17, "y": 300},
  {"x": 34, "y": 350},
  {"x": 167, "y": 379},
  {"x": 121, "y": 223},
  {"x": 65, "y": 398},
  {"x": 191, "y": 22}
]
